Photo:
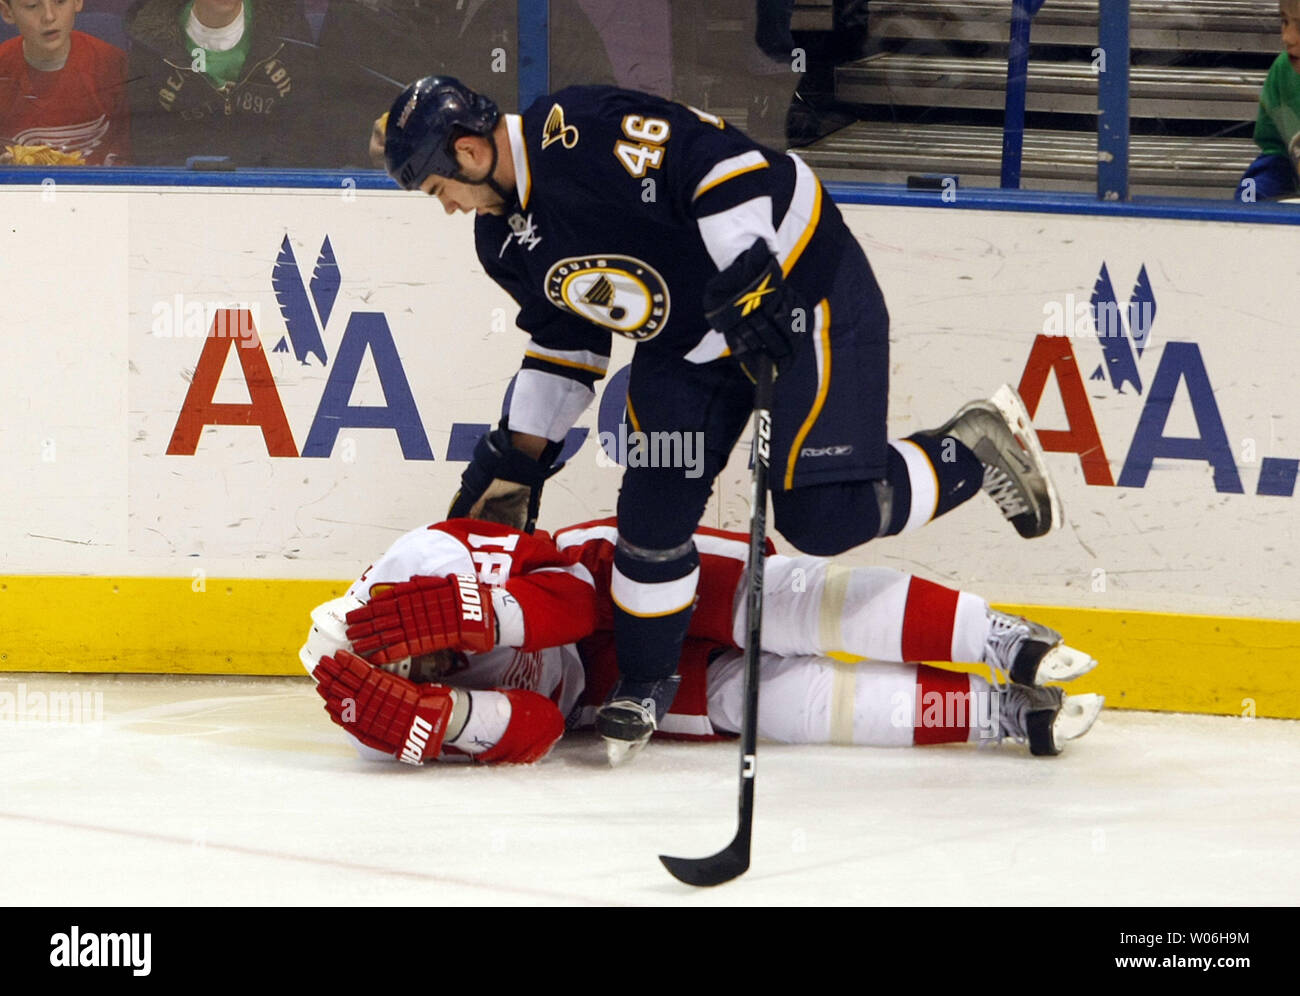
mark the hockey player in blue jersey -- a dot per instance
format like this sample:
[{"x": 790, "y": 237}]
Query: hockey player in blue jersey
[{"x": 605, "y": 211}]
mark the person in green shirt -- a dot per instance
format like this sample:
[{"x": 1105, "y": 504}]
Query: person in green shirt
[
  {"x": 239, "y": 79},
  {"x": 1277, "y": 128}
]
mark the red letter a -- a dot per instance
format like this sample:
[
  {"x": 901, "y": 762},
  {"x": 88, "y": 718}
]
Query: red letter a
[
  {"x": 265, "y": 410},
  {"x": 1053, "y": 354}
]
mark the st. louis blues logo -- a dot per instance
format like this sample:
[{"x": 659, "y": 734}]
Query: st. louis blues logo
[
  {"x": 1122, "y": 337},
  {"x": 619, "y": 292}
]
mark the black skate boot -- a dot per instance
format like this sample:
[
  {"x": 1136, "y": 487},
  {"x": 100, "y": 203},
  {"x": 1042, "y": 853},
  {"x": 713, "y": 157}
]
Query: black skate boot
[
  {"x": 1029, "y": 653},
  {"x": 632, "y": 713},
  {"x": 1045, "y": 718},
  {"x": 999, "y": 432}
]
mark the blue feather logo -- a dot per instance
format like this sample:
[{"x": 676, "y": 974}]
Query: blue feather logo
[
  {"x": 1123, "y": 333},
  {"x": 325, "y": 282},
  {"x": 1141, "y": 311},
  {"x": 305, "y": 330}
]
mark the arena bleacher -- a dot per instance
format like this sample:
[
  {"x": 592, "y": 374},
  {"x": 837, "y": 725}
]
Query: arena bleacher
[{"x": 928, "y": 96}]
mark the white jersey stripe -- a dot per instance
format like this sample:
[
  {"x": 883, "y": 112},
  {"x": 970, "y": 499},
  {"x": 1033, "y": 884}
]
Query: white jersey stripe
[
  {"x": 801, "y": 216},
  {"x": 728, "y": 168},
  {"x": 716, "y": 546},
  {"x": 576, "y": 537},
  {"x": 720, "y": 546},
  {"x": 579, "y": 571},
  {"x": 729, "y": 233}
]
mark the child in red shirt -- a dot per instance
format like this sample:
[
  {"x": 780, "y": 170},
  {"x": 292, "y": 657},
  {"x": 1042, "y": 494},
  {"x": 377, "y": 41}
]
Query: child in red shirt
[{"x": 60, "y": 90}]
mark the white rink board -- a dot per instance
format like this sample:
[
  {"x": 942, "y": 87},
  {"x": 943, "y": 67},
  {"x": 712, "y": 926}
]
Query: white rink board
[
  {"x": 967, "y": 292},
  {"x": 94, "y": 395}
]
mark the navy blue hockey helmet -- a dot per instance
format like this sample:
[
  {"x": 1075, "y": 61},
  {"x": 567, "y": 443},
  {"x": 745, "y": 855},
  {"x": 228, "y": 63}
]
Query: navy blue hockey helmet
[{"x": 423, "y": 122}]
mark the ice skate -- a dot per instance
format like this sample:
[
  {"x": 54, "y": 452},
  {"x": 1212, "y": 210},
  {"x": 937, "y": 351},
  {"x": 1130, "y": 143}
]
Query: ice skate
[
  {"x": 999, "y": 432},
  {"x": 1029, "y": 653},
  {"x": 632, "y": 713},
  {"x": 1045, "y": 718}
]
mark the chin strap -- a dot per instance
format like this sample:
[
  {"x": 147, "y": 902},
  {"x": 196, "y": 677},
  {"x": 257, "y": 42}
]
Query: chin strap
[{"x": 490, "y": 180}]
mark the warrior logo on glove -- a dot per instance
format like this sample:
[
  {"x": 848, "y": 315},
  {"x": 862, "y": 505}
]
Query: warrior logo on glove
[
  {"x": 471, "y": 599},
  {"x": 422, "y": 616}
]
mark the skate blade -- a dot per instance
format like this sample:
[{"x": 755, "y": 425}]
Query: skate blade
[
  {"x": 620, "y": 751},
  {"x": 1078, "y": 713},
  {"x": 1006, "y": 399},
  {"x": 1063, "y": 663}
]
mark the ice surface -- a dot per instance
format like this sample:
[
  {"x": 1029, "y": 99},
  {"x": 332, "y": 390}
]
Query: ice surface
[{"x": 240, "y": 791}]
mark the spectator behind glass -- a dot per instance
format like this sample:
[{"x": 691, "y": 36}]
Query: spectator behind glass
[
  {"x": 62, "y": 93},
  {"x": 374, "y": 48},
  {"x": 1277, "y": 129},
  {"x": 234, "y": 78}
]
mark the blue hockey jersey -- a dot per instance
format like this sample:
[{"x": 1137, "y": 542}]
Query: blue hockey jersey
[{"x": 627, "y": 205}]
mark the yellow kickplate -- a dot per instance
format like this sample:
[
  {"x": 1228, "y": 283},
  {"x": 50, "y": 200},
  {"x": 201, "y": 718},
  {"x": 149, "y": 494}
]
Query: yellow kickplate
[
  {"x": 157, "y": 625},
  {"x": 1148, "y": 660}
]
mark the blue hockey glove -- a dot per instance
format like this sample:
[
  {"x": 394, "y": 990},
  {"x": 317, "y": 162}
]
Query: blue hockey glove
[
  {"x": 496, "y": 458},
  {"x": 753, "y": 307}
]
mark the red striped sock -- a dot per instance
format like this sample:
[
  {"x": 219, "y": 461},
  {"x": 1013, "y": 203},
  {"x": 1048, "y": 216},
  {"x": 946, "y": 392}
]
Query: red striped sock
[
  {"x": 943, "y": 706},
  {"x": 928, "y": 621}
]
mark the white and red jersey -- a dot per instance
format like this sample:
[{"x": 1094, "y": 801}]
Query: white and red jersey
[
  {"x": 543, "y": 600},
  {"x": 552, "y": 599}
]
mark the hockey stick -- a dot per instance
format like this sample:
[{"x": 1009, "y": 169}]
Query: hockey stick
[{"x": 733, "y": 860}]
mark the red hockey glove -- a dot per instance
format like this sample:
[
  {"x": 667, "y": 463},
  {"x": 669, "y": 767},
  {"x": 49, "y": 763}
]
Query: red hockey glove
[
  {"x": 382, "y": 710},
  {"x": 423, "y": 615}
]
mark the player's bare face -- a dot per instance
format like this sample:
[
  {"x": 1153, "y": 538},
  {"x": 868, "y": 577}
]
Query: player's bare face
[
  {"x": 46, "y": 26},
  {"x": 456, "y": 196},
  {"x": 475, "y": 161}
]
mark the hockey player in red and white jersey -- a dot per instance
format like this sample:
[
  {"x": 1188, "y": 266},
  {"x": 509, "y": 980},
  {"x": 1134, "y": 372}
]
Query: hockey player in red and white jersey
[{"x": 473, "y": 640}]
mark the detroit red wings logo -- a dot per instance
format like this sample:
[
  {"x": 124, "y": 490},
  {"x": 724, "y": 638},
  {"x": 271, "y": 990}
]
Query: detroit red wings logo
[
  {"x": 84, "y": 137},
  {"x": 525, "y": 671}
]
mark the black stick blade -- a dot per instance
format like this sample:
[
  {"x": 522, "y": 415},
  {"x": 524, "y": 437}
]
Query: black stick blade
[{"x": 731, "y": 862}]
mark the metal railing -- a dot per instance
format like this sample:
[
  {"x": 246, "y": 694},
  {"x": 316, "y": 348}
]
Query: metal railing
[{"x": 1111, "y": 57}]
